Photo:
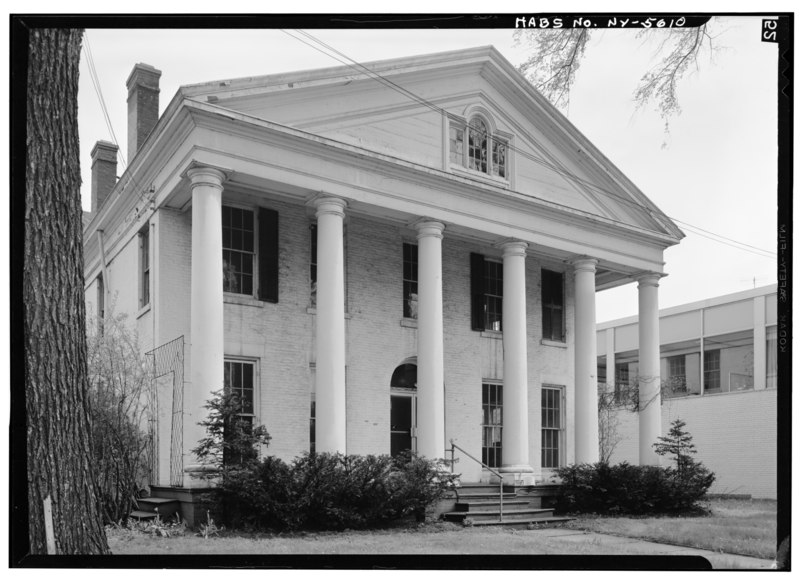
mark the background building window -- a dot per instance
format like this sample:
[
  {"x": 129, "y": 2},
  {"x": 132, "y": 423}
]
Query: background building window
[
  {"x": 492, "y": 424},
  {"x": 711, "y": 371},
  {"x": 553, "y": 306},
  {"x": 410, "y": 278},
  {"x": 772, "y": 357},
  {"x": 238, "y": 250},
  {"x": 144, "y": 267},
  {"x": 552, "y": 427},
  {"x": 676, "y": 373}
]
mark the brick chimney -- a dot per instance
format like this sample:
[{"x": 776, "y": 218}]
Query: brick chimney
[
  {"x": 142, "y": 105},
  {"x": 104, "y": 172}
]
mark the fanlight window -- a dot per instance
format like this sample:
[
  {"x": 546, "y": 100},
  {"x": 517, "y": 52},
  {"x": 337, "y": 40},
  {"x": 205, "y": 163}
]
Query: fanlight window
[{"x": 483, "y": 152}]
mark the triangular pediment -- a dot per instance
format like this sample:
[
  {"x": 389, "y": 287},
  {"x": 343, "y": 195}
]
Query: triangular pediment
[{"x": 404, "y": 108}]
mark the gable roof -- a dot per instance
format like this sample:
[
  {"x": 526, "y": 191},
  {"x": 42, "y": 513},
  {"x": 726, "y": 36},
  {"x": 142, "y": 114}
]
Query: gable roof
[{"x": 561, "y": 165}]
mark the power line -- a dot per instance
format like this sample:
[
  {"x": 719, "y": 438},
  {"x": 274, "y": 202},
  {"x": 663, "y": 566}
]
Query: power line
[{"x": 558, "y": 170}]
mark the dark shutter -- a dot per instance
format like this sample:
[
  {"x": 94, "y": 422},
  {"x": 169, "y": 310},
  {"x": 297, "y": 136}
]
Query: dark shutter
[
  {"x": 477, "y": 282},
  {"x": 267, "y": 255}
]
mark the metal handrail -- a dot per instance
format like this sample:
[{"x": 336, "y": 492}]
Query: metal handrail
[{"x": 483, "y": 466}]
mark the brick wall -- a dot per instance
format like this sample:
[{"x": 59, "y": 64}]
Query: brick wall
[
  {"x": 280, "y": 336},
  {"x": 734, "y": 434}
]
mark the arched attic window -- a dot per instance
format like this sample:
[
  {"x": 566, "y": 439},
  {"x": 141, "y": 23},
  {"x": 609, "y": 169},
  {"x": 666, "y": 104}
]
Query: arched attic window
[{"x": 474, "y": 146}]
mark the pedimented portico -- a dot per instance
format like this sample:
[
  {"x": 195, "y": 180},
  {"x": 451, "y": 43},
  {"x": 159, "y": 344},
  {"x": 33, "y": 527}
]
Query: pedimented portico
[{"x": 373, "y": 202}]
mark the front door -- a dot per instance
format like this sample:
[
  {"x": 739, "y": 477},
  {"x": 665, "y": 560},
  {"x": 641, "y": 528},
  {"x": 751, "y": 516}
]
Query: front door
[{"x": 403, "y": 423}]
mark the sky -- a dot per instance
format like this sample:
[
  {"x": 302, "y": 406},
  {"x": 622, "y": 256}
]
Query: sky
[{"x": 716, "y": 169}]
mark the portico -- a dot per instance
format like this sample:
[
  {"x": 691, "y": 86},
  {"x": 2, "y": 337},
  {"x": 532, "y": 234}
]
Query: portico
[{"x": 334, "y": 222}]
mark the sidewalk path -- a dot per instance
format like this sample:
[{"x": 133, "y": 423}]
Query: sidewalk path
[{"x": 614, "y": 542}]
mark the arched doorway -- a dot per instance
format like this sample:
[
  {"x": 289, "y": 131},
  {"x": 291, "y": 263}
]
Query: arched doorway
[{"x": 404, "y": 409}]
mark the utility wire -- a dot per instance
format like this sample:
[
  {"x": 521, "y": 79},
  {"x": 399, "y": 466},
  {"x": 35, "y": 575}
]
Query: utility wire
[{"x": 346, "y": 60}]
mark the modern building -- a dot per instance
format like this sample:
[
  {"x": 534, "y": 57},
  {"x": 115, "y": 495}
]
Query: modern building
[
  {"x": 376, "y": 262},
  {"x": 719, "y": 373}
]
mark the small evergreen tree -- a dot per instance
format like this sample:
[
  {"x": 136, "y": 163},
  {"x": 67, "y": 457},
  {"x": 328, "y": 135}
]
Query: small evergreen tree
[
  {"x": 679, "y": 444},
  {"x": 691, "y": 479},
  {"x": 231, "y": 440}
]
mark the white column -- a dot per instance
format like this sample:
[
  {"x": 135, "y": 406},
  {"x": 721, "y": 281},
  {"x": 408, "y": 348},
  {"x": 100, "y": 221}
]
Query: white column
[
  {"x": 331, "y": 431},
  {"x": 430, "y": 342},
  {"x": 207, "y": 330},
  {"x": 515, "y": 360},
  {"x": 587, "y": 437},
  {"x": 649, "y": 369}
]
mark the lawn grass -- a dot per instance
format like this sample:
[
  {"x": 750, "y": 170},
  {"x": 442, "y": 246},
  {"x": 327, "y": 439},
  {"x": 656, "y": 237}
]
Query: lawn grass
[{"x": 741, "y": 527}]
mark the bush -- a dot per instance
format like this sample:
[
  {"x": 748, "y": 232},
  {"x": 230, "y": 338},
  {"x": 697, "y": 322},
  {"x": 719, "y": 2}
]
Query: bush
[
  {"x": 626, "y": 489},
  {"x": 119, "y": 385},
  {"x": 327, "y": 491},
  {"x": 317, "y": 491}
]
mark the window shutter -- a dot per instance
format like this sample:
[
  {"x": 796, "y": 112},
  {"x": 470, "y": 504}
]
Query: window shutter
[
  {"x": 478, "y": 290},
  {"x": 267, "y": 255}
]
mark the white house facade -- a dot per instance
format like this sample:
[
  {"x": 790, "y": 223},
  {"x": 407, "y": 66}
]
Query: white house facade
[
  {"x": 373, "y": 272},
  {"x": 719, "y": 369}
]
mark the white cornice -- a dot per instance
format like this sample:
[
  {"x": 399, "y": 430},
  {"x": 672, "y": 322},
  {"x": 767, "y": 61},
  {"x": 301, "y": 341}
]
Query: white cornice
[{"x": 266, "y": 132}]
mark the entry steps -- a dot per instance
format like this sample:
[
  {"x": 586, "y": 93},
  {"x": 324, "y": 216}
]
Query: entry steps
[{"x": 478, "y": 504}]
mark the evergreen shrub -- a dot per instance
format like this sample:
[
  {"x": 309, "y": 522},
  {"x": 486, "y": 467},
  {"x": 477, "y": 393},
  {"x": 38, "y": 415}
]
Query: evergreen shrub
[{"x": 626, "y": 489}]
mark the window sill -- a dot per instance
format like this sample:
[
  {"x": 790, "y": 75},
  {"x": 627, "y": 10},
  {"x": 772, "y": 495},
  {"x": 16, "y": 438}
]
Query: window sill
[
  {"x": 557, "y": 344},
  {"x": 244, "y": 300},
  {"x": 408, "y": 323},
  {"x": 492, "y": 334},
  {"x": 487, "y": 178},
  {"x": 143, "y": 311}
]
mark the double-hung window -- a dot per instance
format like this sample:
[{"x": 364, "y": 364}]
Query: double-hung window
[
  {"x": 239, "y": 378},
  {"x": 410, "y": 279},
  {"x": 250, "y": 252},
  {"x": 553, "y": 306},
  {"x": 487, "y": 293},
  {"x": 492, "y": 424},
  {"x": 144, "y": 267},
  {"x": 238, "y": 250},
  {"x": 552, "y": 427}
]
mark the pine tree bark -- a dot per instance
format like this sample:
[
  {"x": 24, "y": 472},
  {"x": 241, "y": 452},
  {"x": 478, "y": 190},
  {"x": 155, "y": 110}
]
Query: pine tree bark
[{"x": 58, "y": 433}]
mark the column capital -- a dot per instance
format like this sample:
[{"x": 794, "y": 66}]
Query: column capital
[
  {"x": 206, "y": 176},
  {"x": 513, "y": 247},
  {"x": 427, "y": 227},
  {"x": 584, "y": 264},
  {"x": 330, "y": 205},
  {"x": 649, "y": 279}
]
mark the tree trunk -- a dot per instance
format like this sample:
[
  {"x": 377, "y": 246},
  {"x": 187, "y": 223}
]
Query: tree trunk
[{"x": 58, "y": 433}]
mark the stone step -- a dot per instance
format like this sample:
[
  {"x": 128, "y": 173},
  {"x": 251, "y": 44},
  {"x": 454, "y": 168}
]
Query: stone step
[
  {"x": 485, "y": 489},
  {"x": 542, "y": 521},
  {"x": 492, "y": 505},
  {"x": 528, "y": 515},
  {"x": 143, "y": 515},
  {"x": 156, "y": 505}
]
